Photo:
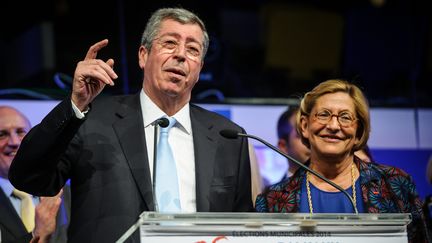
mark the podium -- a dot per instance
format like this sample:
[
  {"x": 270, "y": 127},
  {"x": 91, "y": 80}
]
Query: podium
[{"x": 270, "y": 228}]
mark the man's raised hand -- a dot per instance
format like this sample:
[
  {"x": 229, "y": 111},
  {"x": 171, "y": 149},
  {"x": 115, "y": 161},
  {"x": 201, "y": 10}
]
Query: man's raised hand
[{"x": 91, "y": 76}]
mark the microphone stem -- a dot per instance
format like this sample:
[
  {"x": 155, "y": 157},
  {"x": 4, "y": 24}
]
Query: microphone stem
[
  {"x": 156, "y": 125},
  {"x": 304, "y": 167}
]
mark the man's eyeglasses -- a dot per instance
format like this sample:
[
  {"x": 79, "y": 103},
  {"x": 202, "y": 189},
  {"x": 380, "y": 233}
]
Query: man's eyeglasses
[
  {"x": 170, "y": 45},
  {"x": 345, "y": 119}
]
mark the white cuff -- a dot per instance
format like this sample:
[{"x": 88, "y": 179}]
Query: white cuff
[{"x": 78, "y": 113}]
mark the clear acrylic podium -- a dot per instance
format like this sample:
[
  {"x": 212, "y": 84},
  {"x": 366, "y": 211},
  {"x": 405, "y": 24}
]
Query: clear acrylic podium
[{"x": 270, "y": 227}]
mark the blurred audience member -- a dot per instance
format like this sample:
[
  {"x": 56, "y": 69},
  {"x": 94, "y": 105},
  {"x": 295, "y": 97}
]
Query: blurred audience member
[
  {"x": 42, "y": 218},
  {"x": 289, "y": 140}
]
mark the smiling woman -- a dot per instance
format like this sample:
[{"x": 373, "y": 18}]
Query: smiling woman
[
  {"x": 329, "y": 137},
  {"x": 333, "y": 121}
]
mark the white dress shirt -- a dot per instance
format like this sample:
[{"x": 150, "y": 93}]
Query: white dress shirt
[{"x": 181, "y": 141}]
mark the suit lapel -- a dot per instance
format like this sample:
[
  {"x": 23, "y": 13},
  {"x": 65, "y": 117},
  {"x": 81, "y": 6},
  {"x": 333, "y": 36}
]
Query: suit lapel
[
  {"x": 130, "y": 133},
  {"x": 9, "y": 219},
  {"x": 204, "y": 148}
]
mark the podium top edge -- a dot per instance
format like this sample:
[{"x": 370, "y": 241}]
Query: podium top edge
[{"x": 402, "y": 218}]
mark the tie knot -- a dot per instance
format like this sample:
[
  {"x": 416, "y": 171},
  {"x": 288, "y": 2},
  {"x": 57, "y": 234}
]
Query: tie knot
[
  {"x": 22, "y": 195},
  {"x": 172, "y": 122}
]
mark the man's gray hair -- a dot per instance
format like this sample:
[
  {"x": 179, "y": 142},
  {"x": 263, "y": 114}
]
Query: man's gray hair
[{"x": 177, "y": 14}]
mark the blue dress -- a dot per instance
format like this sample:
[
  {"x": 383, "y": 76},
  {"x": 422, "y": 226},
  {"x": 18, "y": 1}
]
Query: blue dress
[{"x": 330, "y": 202}]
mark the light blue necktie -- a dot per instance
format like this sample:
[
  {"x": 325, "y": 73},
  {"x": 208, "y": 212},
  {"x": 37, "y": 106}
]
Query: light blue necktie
[{"x": 167, "y": 189}]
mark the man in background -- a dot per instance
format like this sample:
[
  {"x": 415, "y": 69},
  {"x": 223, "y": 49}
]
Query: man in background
[
  {"x": 289, "y": 141},
  {"x": 42, "y": 221}
]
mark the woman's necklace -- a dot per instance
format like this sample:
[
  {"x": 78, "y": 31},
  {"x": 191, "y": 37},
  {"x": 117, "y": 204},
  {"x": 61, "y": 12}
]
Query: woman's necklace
[{"x": 310, "y": 195}]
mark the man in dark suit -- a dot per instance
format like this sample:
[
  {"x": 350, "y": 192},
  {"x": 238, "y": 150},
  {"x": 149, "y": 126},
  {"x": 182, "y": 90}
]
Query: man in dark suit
[
  {"x": 105, "y": 145},
  {"x": 13, "y": 127}
]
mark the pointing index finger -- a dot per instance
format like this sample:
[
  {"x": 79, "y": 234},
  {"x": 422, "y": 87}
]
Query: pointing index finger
[{"x": 94, "y": 49}]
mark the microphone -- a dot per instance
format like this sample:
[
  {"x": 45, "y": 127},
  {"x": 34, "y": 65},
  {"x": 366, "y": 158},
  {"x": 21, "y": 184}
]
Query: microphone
[
  {"x": 232, "y": 134},
  {"x": 162, "y": 122}
]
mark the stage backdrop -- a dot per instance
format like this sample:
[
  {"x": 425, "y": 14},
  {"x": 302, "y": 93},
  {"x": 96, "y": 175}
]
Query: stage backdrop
[{"x": 399, "y": 137}]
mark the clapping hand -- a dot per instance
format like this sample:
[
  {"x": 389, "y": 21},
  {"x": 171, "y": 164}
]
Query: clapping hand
[{"x": 45, "y": 218}]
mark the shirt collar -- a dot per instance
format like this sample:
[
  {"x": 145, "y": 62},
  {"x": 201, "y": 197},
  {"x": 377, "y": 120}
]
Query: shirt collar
[
  {"x": 6, "y": 186},
  {"x": 151, "y": 112}
]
